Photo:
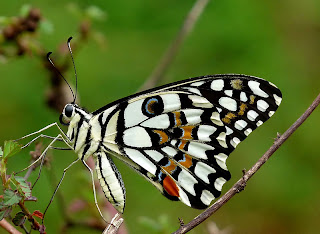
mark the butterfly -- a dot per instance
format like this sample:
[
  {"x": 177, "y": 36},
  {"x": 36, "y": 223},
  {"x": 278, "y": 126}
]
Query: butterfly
[{"x": 177, "y": 136}]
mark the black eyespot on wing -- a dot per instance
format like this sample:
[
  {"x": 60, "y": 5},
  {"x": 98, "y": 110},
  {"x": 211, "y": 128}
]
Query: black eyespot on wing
[
  {"x": 68, "y": 110},
  {"x": 152, "y": 106}
]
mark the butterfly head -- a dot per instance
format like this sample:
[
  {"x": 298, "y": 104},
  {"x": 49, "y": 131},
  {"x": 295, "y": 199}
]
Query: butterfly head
[
  {"x": 72, "y": 111},
  {"x": 67, "y": 114}
]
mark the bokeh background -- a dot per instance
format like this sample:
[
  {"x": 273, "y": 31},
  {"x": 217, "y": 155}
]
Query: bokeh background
[{"x": 276, "y": 40}]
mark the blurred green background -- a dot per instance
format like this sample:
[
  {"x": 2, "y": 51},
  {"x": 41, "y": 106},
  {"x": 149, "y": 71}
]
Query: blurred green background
[{"x": 276, "y": 40}]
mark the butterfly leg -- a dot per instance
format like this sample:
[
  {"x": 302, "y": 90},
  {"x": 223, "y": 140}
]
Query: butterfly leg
[
  {"x": 43, "y": 153},
  {"x": 64, "y": 137},
  {"x": 94, "y": 191},
  {"x": 36, "y": 138},
  {"x": 56, "y": 189}
]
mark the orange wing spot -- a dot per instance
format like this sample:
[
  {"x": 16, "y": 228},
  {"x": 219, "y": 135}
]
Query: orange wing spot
[
  {"x": 252, "y": 97},
  {"x": 182, "y": 144},
  {"x": 236, "y": 84},
  {"x": 243, "y": 108},
  {"x": 177, "y": 118},
  {"x": 171, "y": 167},
  {"x": 170, "y": 186},
  {"x": 228, "y": 117},
  {"x": 150, "y": 106},
  {"x": 188, "y": 161},
  {"x": 163, "y": 136},
  {"x": 187, "y": 130}
]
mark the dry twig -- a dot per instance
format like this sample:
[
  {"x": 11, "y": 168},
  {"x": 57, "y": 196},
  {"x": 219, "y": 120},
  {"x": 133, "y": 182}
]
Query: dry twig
[{"x": 172, "y": 50}]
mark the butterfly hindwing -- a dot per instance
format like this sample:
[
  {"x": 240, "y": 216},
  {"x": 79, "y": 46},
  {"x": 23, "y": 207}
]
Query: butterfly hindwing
[{"x": 179, "y": 136}]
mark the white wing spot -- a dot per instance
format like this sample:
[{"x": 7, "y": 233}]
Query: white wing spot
[
  {"x": 184, "y": 197},
  {"x": 169, "y": 150},
  {"x": 193, "y": 115},
  {"x": 137, "y": 137},
  {"x": 215, "y": 118},
  {"x": 228, "y": 103},
  {"x": 222, "y": 139},
  {"x": 247, "y": 131},
  {"x": 221, "y": 160},
  {"x": 240, "y": 124},
  {"x": 155, "y": 155},
  {"x": 202, "y": 170},
  {"x": 271, "y": 113},
  {"x": 255, "y": 87},
  {"x": 243, "y": 97},
  {"x": 219, "y": 183},
  {"x": 252, "y": 115},
  {"x": 133, "y": 119},
  {"x": 228, "y": 93},
  {"x": 198, "y": 101},
  {"x": 159, "y": 122},
  {"x": 199, "y": 83},
  {"x": 198, "y": 149},
  {"x": 171, "y": 102},
  {"x": 262, "y": 105},
  {"x": 141, "y": 160},
  {"x": 277, "y": 99},
  {"x": 217, "y": 85},
  {"x": 206, "y": 197},
  {"x": 187, "y": 181},
  {"x": 205, "y": 131},
  {"x": 259, "y": 123},
  {"x": 229, "y": 130},
  {"x": 235, "y": 141},
  {"x": 193, "y": 90}
]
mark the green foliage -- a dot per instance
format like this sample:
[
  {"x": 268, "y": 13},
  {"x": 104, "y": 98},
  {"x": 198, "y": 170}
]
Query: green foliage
[
  {"x": 19, "y": 219},
  {"x": 22, "y": 185},
  {"x": 10, "y": 198},
  {"x": 10, "y": 148}
]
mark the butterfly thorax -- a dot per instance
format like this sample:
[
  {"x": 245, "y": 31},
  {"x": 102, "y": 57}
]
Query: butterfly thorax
[{"x": 79, "y": 130}]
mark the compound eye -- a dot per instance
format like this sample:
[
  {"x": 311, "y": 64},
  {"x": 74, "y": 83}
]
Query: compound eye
[{"x": 68, "y": 110}]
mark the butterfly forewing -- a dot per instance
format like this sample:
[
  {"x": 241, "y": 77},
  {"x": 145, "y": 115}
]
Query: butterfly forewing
[{"x": 179, "y": 136}]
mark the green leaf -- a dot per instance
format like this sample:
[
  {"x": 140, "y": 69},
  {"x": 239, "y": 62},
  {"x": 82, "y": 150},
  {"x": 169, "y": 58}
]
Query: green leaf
[
  {"x": 22, "y": 185},
  {"x": 10, "y": 198},
  {"x": 10, "y": 148},
  {"x": 19, "y": 219},
  {"x": 5, "y": 213},
  {"x": 1, "y": 152},
  {"x": 25, "y": 9},
  {"x": 2, "y": 214},
  {"x": 46, "y": 27},
  {"x": 96, "y": 13}
]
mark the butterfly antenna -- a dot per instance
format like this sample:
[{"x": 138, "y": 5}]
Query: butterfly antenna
[
  {"x": 49, "y": 59},
  {"x": 74, "y": 67}
]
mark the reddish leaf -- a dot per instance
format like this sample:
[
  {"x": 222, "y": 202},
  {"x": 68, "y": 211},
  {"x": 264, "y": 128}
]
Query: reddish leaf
[{"x": 38, "y": 214}]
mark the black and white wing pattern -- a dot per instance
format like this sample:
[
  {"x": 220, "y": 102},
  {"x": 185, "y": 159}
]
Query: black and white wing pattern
[{"x": 180, "y": 135}]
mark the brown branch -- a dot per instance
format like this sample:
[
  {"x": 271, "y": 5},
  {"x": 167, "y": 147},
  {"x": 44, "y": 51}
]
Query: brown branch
[
  {"x": 35, "y": 224},
  {"x": 239, "y": 186},
  {"x": 8, "y": 227},
  {"x": 172, "y": 51}
]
